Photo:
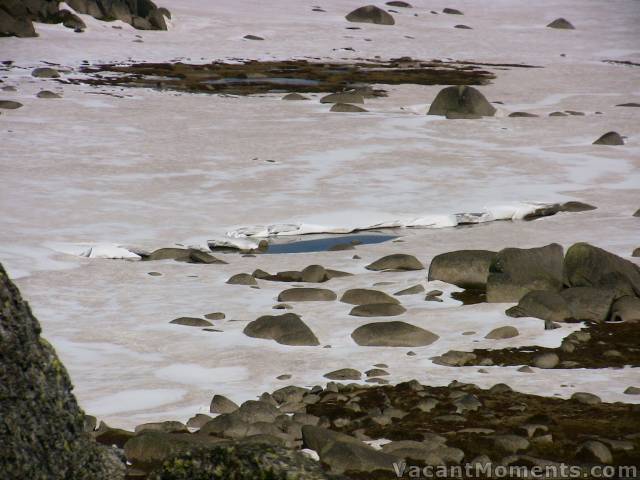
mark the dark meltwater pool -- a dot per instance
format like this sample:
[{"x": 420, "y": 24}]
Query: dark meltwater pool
[{"x": 333, "y": 243}]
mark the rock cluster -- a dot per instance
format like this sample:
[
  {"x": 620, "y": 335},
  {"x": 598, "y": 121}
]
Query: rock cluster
[
  {"x": 455, "y": 424},
  {"x": 17, "y": 17}
]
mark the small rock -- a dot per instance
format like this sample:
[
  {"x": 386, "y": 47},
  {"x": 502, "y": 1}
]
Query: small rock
[
  {"x": 221, "y": 404},
  {"x": 377, "y": 310},
  {"x": 632, "y": 391},
  {"x": 364, "y": 296},
  {"x": 502, "y": 333},
  {"x": 398, "y": 261},
  {"x": 45, "y": 72},
  {"x": 344, "y": 374},
  {"x": 307, "y": 295},
  {"x": 586, "y": 398},
  {"x": 412, "y": 290},
  {"x": 345, "y": 108},
  {"x": 594, "y": 451},
  {"x": 562, "y": 24},
  {"x": 192, "y": 322},
  {"x": 294, "y": 96},
  {"x": 242, "y": 279},
  {"x": 546, "y": 360},
  {"x": 10, "y": 104},
  {"x": 452, "y": 11},
  {"x": 609, "y": 138},
  {"x": 215, "y": 316},
  {"x": 47, "y": 94}
]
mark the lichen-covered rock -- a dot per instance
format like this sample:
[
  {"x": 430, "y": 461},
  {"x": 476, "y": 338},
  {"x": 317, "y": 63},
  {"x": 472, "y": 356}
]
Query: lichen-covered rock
[
  {"x": 41, "y": 425},
  {"x": 241, "y": 461}
]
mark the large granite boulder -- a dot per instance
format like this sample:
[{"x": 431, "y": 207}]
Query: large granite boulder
[
  {"x": 589, "y": 266},
  {"x": 461, "y": 100},
  {"x": 41, "y": 425},
  {"x": 465, "y": 268},
  {"x": 517, "y": 271}
]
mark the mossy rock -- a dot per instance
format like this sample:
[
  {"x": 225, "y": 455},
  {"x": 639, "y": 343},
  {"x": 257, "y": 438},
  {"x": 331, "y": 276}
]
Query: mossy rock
[{"x": 241, "y": 461}]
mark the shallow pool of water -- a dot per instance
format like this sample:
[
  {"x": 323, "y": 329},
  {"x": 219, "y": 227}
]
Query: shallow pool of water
[{"x": 334, "y": 242}]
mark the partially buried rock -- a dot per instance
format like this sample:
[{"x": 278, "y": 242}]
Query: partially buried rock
[
  {"x": 452, "y": 11},
  {"x": 294, "y": 96},
  {"x": 397, "y": 261},
  {"x": 609, "y": 138},
  {"x": 286, "y": 329},
  {"x": 45, "y": 72},
  {"x": 370, "y": 14},
  {"x": 465, "y": 268},
  {"x": 412, "y": 290},
  {"x": 562, "y": 24},
  {"x": 365, "y": 296},
  {"x": 189, "y": 255},
  {"x": 398, "y": 3},
  {"x": 463, "y": 100},
  {"x": 522, "y": 115},
  {"x": 307, "y": 295},
  {"x": 502, "y": 333},
  {"x": 343, "y": 97},
  {"x": 346, "y": 108},
  {"x": 516, "y": 271},
  {"x": 252, "y": 37},
  {"x": 344, "y": 374},
  {"x": 314, "y": 274},
  {"x": 242, "y": 279},
  {"x": 215, "y": 316},
  {"x": 455, "y": 358},
  {"x": 192, "y": 322},
  {"x": 586, "y": 398},
  {"x": 47, "y": 94},
  {"x": 546, "y": 360},
  {"x": 10, "y": 104},
  {"x": 463, "y": 27},
  {"x": 377, "y": 310},
  {"x": 392, "y": 334}
]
